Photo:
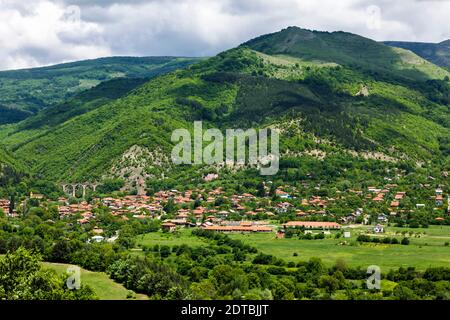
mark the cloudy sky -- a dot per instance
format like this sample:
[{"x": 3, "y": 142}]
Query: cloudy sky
[{"x": 42, "y": 32}]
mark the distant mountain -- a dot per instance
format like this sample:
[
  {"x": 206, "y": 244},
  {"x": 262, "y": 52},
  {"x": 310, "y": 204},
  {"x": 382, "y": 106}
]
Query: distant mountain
[
  {"x": 82, "y": 102},
  {"x": 347, "y": 49},
  {"x": 337, "y": 97},
  {"x": 25, "y": 92},
  {"x": 437, "y": 53}
]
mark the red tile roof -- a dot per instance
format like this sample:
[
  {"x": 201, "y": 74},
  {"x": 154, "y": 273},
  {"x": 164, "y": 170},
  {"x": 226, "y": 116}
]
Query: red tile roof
[{"x": 312, "y": 224}]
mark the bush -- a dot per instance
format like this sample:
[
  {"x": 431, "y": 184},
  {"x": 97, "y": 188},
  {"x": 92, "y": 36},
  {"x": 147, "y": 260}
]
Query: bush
[
  {"x": 263, "y": 259},
  {"x": 405, "y": 241}
]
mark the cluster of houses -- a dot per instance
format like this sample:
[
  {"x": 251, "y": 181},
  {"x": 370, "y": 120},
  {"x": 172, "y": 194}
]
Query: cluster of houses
[
  {"x": 399, "y": 196},
  {"x": 136, "y": 205},
  {"x": 210, "y": 215},
  {"x": 5, "y": 206},
  {"x": 379, "y": 194},
  {"x": 84, "y": 208}
]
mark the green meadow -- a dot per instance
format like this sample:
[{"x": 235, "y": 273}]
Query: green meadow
[
  {"x": 428, "y": 250},
  {"x": 104, "y": 287},
  {"x": 181, "y": 236}
]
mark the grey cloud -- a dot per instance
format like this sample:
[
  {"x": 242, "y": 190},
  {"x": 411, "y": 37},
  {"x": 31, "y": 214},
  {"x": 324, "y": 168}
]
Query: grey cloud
[{"x": 36, "y": 32}]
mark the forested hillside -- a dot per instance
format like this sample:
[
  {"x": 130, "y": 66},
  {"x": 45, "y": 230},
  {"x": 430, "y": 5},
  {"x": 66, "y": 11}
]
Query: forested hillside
[
  {"x": 25, "y": 92},
  {"x": 330, "y": 93}
]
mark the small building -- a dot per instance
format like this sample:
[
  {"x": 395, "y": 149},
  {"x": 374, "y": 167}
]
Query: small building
[
  {"x": 395, "y": 204},
  {"x": 4, "y": 205},
  {"x": 439, "y": 200},
  {"x": 97, "y": 238},
  {"x": 382, "y": 218},
  {"x": 97, "y": 230},
  {"x": 282, "y": 194},
  {"x": 36, "y": 196},
  {"x": 281, "y": 234},
  {"x": 168, "y": 226},
  {"x": 378, "y": 228}
]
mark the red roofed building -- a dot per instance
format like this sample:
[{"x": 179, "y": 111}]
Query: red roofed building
[
  {"x": 4, "y": 204},
  {"x": 168, "y": 226},
  {"x": 238, "y": 228},
  {"x": 312, "y": 225},
  {"x": 395, "y": 204}
]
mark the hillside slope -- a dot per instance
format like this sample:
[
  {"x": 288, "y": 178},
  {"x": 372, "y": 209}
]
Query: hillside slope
[
  {"x": 345, "y": 49},
  {"x": 24, "y": 92},
  {"x": 331, "y": 94},
  {"x": 437, "y": 53}
]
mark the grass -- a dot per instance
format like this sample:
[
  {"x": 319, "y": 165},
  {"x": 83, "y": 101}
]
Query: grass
[
  {"x": 104, "y": 287},
  {"x": 181, "y": 236},
  {"x": 426, "y": 251}
]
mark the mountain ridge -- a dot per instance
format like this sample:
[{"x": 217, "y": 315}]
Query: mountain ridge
[
  {"x": 249, "y": 88},
  {"x": 437, "y": 53}
]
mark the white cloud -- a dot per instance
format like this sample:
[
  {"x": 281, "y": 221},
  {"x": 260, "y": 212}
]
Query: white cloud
[
  {"x": 52, "y": 31},
  {"x": 43, "y": 33}
]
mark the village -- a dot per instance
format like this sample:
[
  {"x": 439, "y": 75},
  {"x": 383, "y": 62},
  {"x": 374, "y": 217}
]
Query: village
[{"x": 219, "y": 211}]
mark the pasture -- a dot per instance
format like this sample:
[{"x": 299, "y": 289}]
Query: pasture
[{"x": 424, "y": 251}]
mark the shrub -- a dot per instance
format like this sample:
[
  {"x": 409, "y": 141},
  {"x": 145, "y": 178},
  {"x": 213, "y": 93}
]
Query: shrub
[{"x": 405, "y": 241}]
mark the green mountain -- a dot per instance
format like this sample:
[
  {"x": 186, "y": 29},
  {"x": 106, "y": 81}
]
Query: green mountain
[
  {"x": 343, "y": 103},
  {"x": 437, "y": 53},
  {"x": 11, "y": 170},
  {"x": 24, "y": 92}
]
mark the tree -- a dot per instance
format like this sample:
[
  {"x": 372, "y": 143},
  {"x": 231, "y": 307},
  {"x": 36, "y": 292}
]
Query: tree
[
  {"x": 405, "y": 241},
  {"x": 261, "y": 190},
  {"x": 329, "y": 283},
  {"x": 169, "y": 207},
  {"x": 315, "y": 266},
  {"x": 262, "y": 258},
  {"x": 404, "y": 293},
  {"x": 164, "y": 251},
  {"x": 12, "y": 203},
  {"x": 227, "y": 279},
  {"x": 22, "y": 278},
  {"x": 203, "y": 290},
  {"x": 340, "y": 265},
  {"x": 273, "y": 189}
]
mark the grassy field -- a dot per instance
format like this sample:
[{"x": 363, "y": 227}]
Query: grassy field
[
  {"x": 104, "y": 287},
  {"x": 181, "y": 236},
  {"x": 428, "y": 250}
]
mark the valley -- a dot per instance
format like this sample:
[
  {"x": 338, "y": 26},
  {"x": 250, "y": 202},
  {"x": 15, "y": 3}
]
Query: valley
[{"x": 86, "y": 177}]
